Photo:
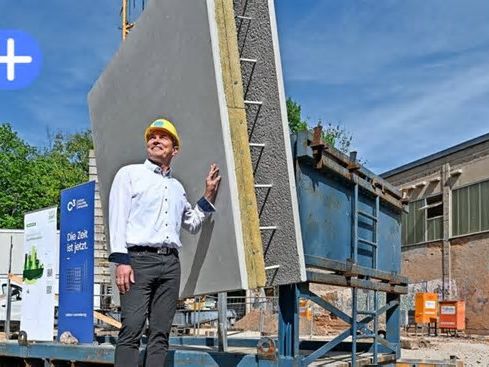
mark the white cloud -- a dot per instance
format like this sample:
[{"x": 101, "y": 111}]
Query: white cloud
[
  {"x": 435, "y": 119},
  {"x": 407, "y": 78}
]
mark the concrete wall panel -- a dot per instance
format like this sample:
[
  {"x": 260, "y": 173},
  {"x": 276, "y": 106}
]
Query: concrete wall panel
[{"x": 167, "y": 67}]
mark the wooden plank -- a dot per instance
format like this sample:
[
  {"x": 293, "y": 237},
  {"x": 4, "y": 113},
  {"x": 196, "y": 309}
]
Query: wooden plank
[
  {"x": 392, "y": 278},
  {"x": 108, "y": 320},
  {"x": 326, "y": 264},
  {"x": 354, "y": 270},
  {"x": 233, "y": 87},
  {"x": 342, "y": 281}
]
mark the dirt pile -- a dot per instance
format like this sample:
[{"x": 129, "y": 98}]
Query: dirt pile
[
  {"x": 255, "y": 318},
  {"x": 322, "y": 323}
]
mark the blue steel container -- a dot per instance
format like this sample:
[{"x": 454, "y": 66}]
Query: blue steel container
[{"x": 325, "y": 187}]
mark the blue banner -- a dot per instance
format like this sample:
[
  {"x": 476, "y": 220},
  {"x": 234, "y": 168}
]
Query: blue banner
[{"x": 75, "y": 312}]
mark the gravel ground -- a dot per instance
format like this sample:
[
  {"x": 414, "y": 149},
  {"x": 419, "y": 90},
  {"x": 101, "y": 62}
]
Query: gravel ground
[{"x": 473, "y": 351}]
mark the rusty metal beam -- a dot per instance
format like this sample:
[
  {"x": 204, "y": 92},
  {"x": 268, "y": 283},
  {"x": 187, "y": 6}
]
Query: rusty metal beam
[
  {"x": 343, "y": 281},
  {"x": 351, "y": 269}
]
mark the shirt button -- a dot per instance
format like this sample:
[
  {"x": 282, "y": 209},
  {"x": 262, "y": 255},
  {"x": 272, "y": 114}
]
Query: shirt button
[
  {"x": 166, "y": 224},
  {"x": 166, "y": 212},
  {"x": 166, "y": 199}
]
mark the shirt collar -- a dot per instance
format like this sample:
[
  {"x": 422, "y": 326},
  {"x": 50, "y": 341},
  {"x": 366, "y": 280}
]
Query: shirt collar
[{"x": 157, "y": 169}]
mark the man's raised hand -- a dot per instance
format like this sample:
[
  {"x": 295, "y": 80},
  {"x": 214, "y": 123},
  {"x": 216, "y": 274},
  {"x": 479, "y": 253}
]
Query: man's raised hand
[{"x": 212, "y": 183}]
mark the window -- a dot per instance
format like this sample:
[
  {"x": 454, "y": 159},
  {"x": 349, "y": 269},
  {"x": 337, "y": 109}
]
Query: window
[
  {"x": 470, "y": 214},
  {"x": 414, "y": 223},
  {"x": 424, "y": 222},
  {"x": 470, "y": 209},
  {"x": 434, "y": 218}
]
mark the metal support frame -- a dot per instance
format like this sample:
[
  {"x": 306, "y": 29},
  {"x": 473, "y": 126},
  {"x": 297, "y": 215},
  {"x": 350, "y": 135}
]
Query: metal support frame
[
  {"x": 289, "y": 327},
  {"x": 222, "y": 326},
  {"x": 363, "y": 323},
  {"x": 288, "y": 324},
  {"x": 365, "y": 332},
  {"x": 289, "y": 343}
]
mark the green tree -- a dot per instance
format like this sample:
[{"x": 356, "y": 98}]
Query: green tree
[
  {"x": 333, "y": 134},
  {"x": 32, "y": 178},
  {"x": 71, "y": 151},
  {"x": 15, "y": 172},
  {"x": 294, "y": 116},
  {"x": 338, "y": 137}
]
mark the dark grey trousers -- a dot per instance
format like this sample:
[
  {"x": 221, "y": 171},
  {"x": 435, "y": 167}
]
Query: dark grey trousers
[{"x": 154, "y": 297}]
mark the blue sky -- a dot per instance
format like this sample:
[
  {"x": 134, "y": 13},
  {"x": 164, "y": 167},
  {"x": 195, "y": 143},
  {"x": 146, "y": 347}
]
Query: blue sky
[{"x": 406, "y": 78}]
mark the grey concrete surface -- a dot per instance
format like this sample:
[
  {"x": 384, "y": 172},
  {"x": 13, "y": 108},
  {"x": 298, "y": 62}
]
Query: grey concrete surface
[
  {"x": 268, "y": 124},
  {"x": 166, "y": 68}
]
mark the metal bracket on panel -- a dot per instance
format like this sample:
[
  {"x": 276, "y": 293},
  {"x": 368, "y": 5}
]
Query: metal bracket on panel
[
  {"x": 259, "y": 103},
  {"x": 268, "y": 187},
  {"x": 263, "y": 186},
  {"x": 253, "y": 62},
  {"x": 260, "y": 146},
  {"x": 271, "y": 229},
  {"x": 273, "y": 269},
  {"x": 268, "y": 228},
  {"x": 254, "y": 103},
  {"x": 243, "y": 18}
]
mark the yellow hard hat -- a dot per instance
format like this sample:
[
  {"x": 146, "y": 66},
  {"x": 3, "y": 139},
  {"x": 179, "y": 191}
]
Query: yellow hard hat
[{"x": 163, "y": 124}]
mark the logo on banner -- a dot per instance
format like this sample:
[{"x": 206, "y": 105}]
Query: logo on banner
[
  {"x": 20, "y": 59},
  {"x": 76, "y": 204}
]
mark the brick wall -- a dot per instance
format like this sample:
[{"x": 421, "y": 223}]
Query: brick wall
[{"x": 470, "y": 270}]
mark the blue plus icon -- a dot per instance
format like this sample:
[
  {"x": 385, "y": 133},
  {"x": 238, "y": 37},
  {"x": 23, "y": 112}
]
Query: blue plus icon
[{"x": 20, "y": 59}]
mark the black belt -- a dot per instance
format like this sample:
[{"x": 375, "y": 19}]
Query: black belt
[{"x": 157, "y": 250}]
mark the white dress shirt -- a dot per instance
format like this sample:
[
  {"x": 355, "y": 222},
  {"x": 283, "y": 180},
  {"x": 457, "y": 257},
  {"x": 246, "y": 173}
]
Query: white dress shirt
[{"x": 148, "y": 207}]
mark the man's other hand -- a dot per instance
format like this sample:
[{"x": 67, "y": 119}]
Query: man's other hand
[
  {"x": 124, "y": 277},
  {"x": 212, "y": 183}
]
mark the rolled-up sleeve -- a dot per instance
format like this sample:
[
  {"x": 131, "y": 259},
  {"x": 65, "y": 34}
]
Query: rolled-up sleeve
[
  {"x": 119, "y": 209},
  {"x": 194, "y": 217}
]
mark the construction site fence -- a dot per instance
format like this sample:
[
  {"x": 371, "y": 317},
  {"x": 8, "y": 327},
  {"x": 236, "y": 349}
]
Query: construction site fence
[{"x": 255, "y": 316}]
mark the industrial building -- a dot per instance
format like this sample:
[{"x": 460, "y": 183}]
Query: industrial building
[{"x": 445, "y": 235}]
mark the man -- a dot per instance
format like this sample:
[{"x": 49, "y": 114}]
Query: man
[{"x": 147, "y": 207}]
